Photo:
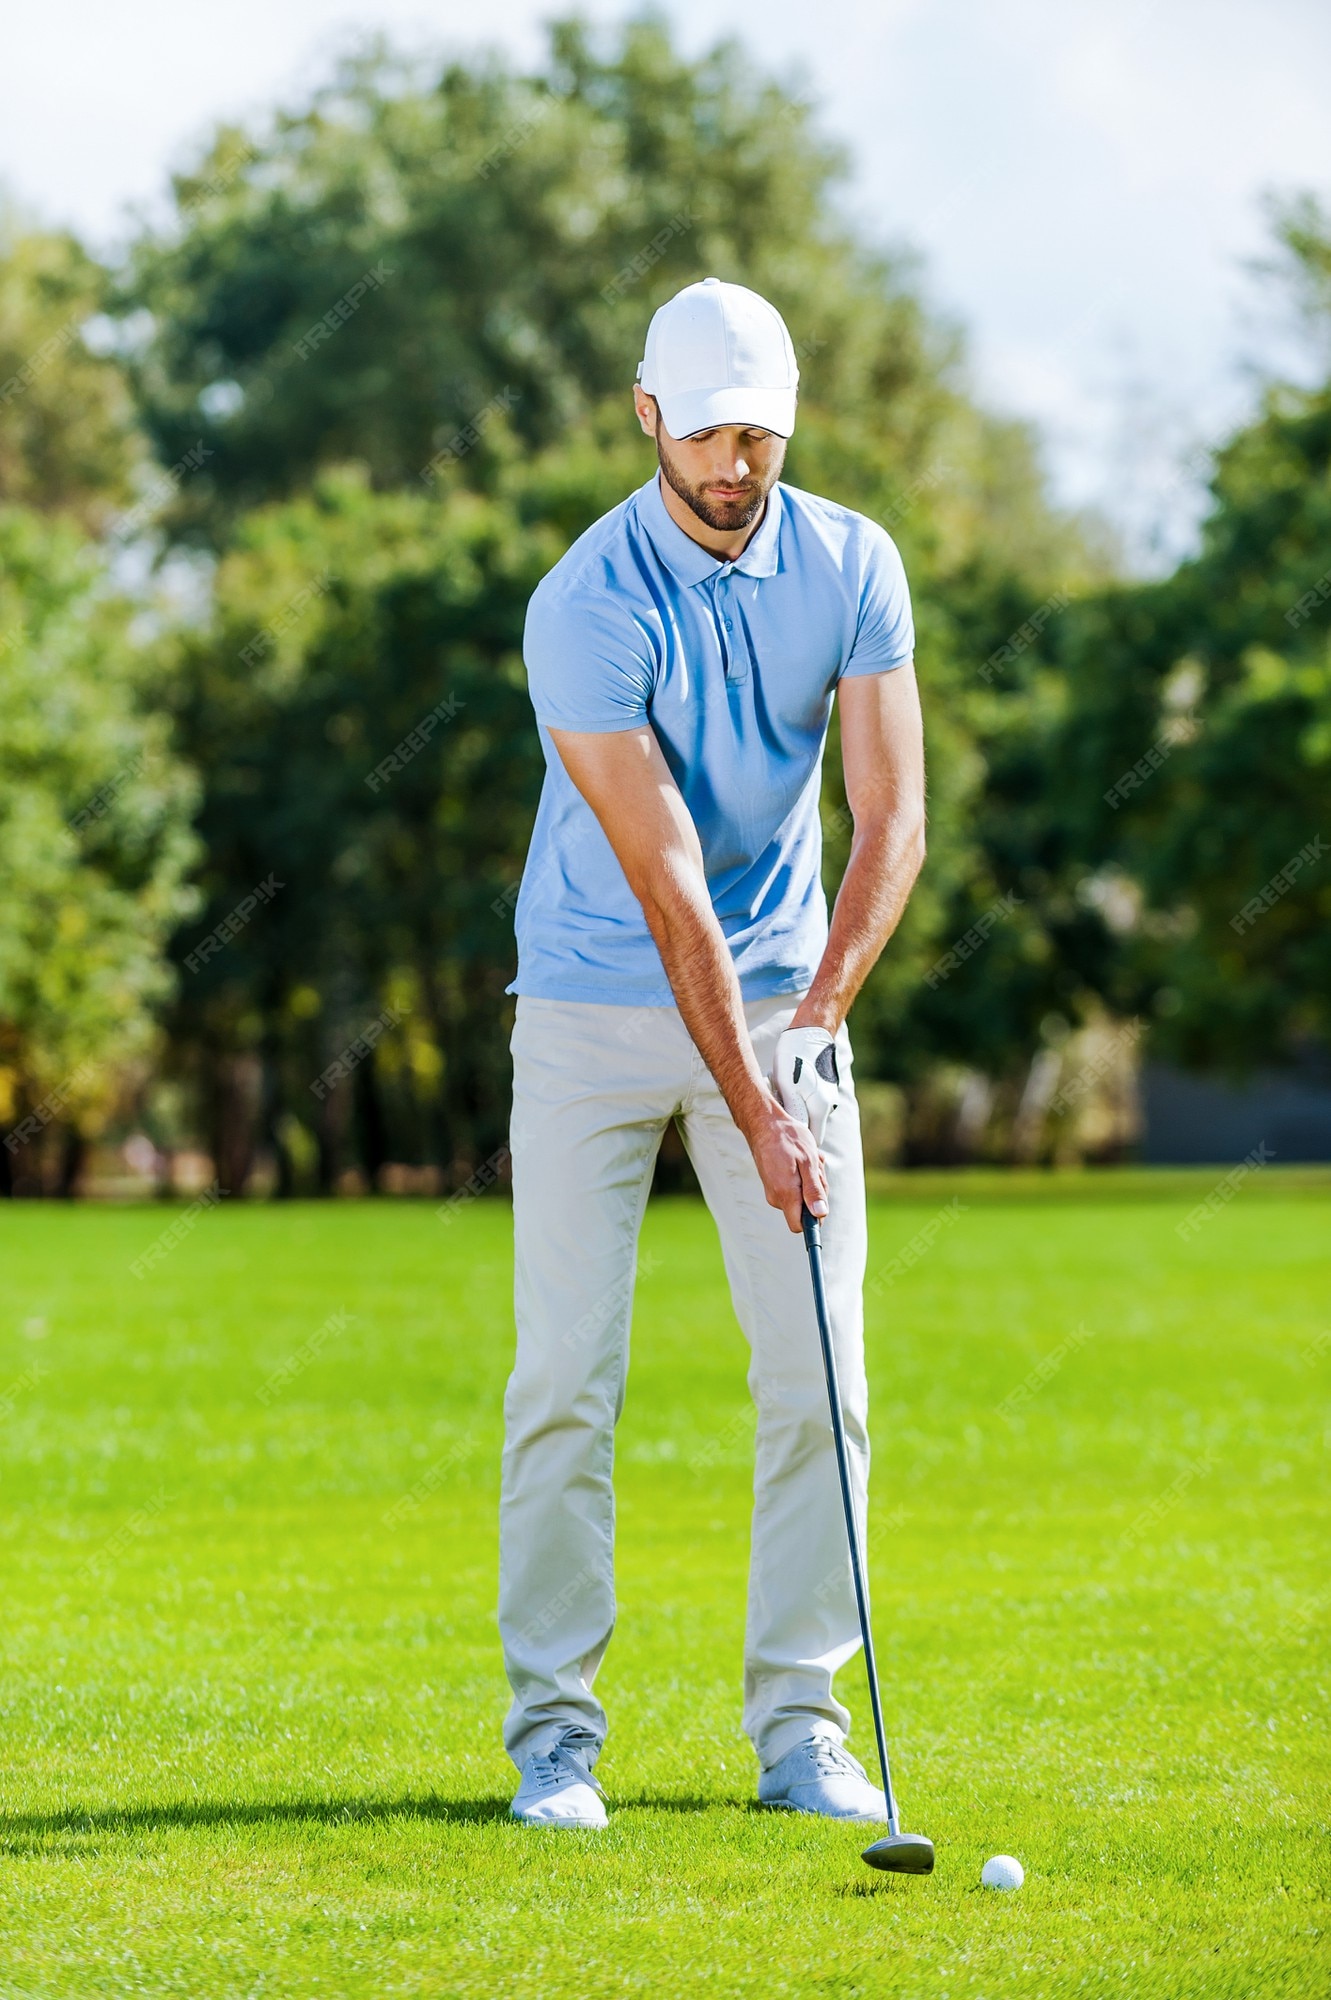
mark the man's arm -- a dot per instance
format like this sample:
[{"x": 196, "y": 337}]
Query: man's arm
[
  {"x": 627, "y": 783},
  {"x": 882, "y": 750}
]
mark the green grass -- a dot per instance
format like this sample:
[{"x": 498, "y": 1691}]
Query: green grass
[{"x": 252, "y": 1729}]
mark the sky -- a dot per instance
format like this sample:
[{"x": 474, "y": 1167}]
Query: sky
[{"x": 1085, "y": 183}]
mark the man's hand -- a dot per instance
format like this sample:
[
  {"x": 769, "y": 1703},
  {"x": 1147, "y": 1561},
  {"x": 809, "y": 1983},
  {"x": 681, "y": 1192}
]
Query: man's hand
[
  {"x": 788, "y": 1162},
  {"x": 625, "y": 780},
  {"x": 804, "y": 1076}
]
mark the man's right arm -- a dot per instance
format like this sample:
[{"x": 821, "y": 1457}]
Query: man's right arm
[{"x": 627, "y": 783}]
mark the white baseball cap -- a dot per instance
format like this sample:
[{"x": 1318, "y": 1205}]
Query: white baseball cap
[{"x": 720, "y": 354}]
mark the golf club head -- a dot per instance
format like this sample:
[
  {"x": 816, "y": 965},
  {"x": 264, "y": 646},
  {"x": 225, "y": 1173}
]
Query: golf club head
[{"x": 902, "y": 1854}]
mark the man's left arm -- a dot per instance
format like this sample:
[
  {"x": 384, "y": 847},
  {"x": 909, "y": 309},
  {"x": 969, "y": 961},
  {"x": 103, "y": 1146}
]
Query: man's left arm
[{"x": 882, "y": 750}]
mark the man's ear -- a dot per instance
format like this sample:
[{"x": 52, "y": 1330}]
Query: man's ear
[{"x": 645, "y": 406}]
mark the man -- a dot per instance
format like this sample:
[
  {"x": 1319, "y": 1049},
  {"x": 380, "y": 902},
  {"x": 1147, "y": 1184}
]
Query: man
[{"x": 673, "y": 952}]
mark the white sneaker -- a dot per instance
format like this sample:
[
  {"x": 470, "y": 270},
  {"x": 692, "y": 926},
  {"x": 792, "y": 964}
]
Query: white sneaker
[
  {"x": 558, "y": 1789},
  {"x": 818, "y": 1776}
]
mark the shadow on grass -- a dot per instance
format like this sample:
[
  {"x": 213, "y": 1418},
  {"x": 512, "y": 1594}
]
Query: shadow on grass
[
  {"x": 20, "y": 1832},
  {"x": 25, "y": 1827}
]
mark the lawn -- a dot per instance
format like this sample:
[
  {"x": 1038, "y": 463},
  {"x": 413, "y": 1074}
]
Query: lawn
[{"x": 250, "y": 1681}]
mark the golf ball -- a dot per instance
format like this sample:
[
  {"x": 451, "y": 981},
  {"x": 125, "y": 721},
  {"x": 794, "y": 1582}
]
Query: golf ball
[{"x": 1002, "y": 1872}]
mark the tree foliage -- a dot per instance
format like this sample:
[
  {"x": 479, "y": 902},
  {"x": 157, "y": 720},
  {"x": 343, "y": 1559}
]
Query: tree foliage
[
  {"x": 359, "y": 707},
  {"x": 385, "y": 348},
  {"x": 69, "y": 442},
  {"x": 481, "y": 250},
  {"x": 1201, "y": 705},
  {"x": 95, "y": 845}
]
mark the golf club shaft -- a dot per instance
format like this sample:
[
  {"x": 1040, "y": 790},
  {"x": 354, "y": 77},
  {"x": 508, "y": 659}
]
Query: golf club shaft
[{"x": 813, "y": 1243}]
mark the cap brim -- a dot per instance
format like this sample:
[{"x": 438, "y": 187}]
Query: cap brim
[{"x": 707, "y": 409}]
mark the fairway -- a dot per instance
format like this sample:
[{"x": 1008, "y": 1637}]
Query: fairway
[{"x": 251, "y": 1680}]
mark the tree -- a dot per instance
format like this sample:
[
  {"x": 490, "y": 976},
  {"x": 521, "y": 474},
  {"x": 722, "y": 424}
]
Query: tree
[
  {"x": 1189, "y": 768},
  {"x": 443, "y": 280},
  {"x": 68, "y": 438},
  {"x": 94, "y": 850},
  {"x": 360, "y": 711}
]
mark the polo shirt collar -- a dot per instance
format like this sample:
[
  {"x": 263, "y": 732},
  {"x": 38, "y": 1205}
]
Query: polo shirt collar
[{"x": 688, "y": 560}]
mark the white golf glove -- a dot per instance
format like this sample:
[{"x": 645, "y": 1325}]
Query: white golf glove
[{"x": 805, "y": 1078}]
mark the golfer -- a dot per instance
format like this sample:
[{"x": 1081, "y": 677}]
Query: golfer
[{"x": 675, "y": 962}]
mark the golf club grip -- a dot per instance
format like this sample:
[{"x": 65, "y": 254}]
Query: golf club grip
[{"x": 813, "y": 1243}]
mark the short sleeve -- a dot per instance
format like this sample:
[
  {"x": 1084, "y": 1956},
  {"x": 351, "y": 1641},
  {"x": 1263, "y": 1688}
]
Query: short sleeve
[
  {"x": 589, "y": 666},
  {"x": 885, "y": 628}
]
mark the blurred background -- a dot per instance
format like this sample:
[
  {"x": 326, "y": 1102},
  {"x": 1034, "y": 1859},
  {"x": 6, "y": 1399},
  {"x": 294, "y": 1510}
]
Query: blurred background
[{"x": 314, "y": 356}]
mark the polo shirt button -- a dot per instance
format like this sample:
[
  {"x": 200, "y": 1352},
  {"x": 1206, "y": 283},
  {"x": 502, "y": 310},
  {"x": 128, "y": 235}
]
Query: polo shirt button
[{"x": 729, "y": 626}]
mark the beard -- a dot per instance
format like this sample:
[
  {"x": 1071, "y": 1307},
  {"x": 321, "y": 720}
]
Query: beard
[{"x": 727, "y": 517}]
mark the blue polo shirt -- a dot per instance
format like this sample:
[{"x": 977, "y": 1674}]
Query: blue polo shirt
[{"x": 734, "y": 665}]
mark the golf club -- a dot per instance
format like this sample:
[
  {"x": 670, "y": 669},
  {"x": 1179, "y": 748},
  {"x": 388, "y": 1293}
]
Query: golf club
[{"x": 902, "y": 1853}]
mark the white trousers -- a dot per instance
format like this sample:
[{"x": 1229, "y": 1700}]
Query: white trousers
[{"x": 594, "y": 1088}]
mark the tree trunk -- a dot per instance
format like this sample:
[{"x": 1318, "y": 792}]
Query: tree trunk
[
  {"x": 233, "y": 1121},
  {"x": 73, "y": 1154},
  {"x": 273, "y": 1107},
  {"x": 440, "y": 1115},
  {"x": 371, "y": 1131}
]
